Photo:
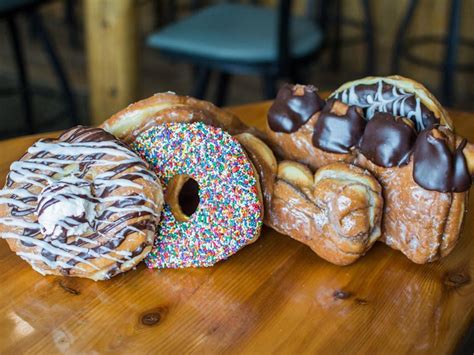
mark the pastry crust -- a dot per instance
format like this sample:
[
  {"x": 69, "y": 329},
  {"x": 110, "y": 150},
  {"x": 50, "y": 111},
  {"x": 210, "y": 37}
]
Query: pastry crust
[
  {"x": 128, "y": 123},
  {"x": 424, "y": 225}
]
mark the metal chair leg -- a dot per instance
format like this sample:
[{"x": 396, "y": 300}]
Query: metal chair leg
[
  {"x": 269, "y": 87},
  {"x": 222, "y": 88},
  {"x": 201, "y": 81},
  {"x": 450, "y": 55},
  {"x": 57, "y": 66},
  {"x": 370, "y": 62},
  {"x": 402, "y": 29},
  {"x": 22, "y": 73},
  {"x": 336, "y": 43},
  {"x": 71, "y": 21}
]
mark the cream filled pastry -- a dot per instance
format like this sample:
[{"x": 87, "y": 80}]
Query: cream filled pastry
[{"x": 81, "y": 205}]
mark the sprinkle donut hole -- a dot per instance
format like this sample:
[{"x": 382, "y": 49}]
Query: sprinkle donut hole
[{"x": 182, "y": 195}]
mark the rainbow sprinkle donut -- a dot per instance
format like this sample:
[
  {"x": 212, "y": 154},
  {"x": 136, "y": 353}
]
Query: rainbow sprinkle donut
[{"x": 228, "y": 213}]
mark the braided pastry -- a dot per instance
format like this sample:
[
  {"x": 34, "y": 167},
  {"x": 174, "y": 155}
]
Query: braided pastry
[
  {"x": 336, "y": 212},
  {"x": 397, "y": 130},
  {"x": 81, "y": 205}
]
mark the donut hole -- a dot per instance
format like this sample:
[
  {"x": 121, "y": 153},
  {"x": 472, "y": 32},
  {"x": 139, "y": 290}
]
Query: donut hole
[{"x": 182, "y": 195}]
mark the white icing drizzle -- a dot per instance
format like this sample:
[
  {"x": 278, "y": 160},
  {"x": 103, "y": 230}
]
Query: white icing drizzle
[
  {"x": 394, "y": 103},
  {"x": 46, "y": 168}
]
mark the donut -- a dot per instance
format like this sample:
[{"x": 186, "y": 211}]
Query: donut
[
  {"x": 212, "y": 205},
  {"x": 81, "y": 205}
]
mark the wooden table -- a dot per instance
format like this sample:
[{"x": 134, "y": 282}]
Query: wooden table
[{"x": 273, "y": 296}]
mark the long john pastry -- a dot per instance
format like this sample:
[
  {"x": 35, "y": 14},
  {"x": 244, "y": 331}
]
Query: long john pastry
[{"x": 397, "y": 130}]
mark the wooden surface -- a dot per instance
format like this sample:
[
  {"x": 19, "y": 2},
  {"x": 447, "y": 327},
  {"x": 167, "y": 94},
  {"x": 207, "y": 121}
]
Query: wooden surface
[
  {"x": 112, "y": 55},
  {"x": 273, "y": 296}
]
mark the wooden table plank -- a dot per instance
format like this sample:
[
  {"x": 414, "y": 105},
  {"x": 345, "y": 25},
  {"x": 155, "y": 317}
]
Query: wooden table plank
[{"x": 274, "y": 296}]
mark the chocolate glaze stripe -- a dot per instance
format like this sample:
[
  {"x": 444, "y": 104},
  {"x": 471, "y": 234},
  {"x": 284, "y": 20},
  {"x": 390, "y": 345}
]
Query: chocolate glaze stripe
[
  {"x": 47, "y": 246},
  {"x": 50, "y": 158},
  {"x": 51, "y": 263},
  {"x": 80, "y": 249}
]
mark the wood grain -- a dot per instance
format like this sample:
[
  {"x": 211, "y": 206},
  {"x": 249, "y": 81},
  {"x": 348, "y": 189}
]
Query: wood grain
[
  {"x": 273, "y": 296},
  {"x": 112, "y": 55}
]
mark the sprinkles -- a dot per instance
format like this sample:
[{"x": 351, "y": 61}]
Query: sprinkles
[{"x": 229, "y": 214}]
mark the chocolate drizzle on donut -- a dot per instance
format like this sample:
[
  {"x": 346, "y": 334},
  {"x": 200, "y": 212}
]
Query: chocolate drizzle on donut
[
  {"x": 384, "y": 97},
  {"x": 339, "y": 128},
  {"x": 56, "y": 166},
  {"x": 436, "y": 167},
  {"x": 387, "y": 140},
  {"x": 293, "y": 107}
]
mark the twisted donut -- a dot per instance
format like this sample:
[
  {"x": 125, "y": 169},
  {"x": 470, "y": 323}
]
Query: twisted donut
[
  {"x": 337, "y": 212},
  {"x": 81, "y": 205}
]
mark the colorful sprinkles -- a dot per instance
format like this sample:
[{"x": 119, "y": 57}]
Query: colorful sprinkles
[{"x": 229, "y": 214}]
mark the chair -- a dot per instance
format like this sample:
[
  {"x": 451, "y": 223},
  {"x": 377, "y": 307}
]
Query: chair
[
  {"x": 404, "y": 48},
  {"x": 335, "y": 21},
  {"x": 9, "y": 11},
  {"x": 233, "y": 38}
]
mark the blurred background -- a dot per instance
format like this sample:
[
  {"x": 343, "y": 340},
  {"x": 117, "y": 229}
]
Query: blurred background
[{"x": 64, "y": 62}]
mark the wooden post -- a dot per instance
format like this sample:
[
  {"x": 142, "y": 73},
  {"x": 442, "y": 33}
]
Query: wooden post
[{"x": 112, "y": 53}]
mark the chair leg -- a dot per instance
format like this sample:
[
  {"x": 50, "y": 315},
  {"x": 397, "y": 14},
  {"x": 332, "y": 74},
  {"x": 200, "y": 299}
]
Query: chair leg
[
  {"x": 269, "y": 87},
  {"x": 57, "y": 66},
  {"x": 298, "y": 74},
  {"x": 201, "y": 82},
  {"x": 222, "y": 88},
  {"x": 451, "y": 51},
  {"x": 22, "y": 73},
  {"x": 71, "y": 22},
  {"x": 370, "y": 63},
  {"x": 336, "y": 44},
  {"x": 402, "y": 29}
]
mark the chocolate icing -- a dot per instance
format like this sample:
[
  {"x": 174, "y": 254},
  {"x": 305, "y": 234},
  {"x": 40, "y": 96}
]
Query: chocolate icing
[
  {"x": 293, "y": 107},
  {"x": 387, "y": 140},
  {"x": 436, "y": 167},
  {"x": 338, "y": 133},
  {"x": 384, "y": 97}
]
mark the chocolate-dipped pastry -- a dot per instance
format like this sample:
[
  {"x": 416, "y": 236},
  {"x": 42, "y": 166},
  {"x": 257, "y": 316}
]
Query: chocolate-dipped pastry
[
  {"x": 338, "y": 128},
  {"x": 299, "y": 145},
  {"x": 423, "y": 221},
  {"x": 436, "y": 166},
  {"x": 397, "y": 95},
  {"x": 293, "y": 107},
  {"x": 388, "y": 140}
]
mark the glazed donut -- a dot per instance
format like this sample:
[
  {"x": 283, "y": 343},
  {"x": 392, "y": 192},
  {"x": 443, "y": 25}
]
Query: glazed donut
[
  {"x": 337, "y": 212},
  {"x": 168, "y": 107},
  {"x": 81, "y": 205},
  {"x": 397, "y": 130}
]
